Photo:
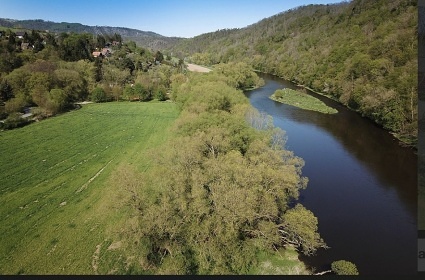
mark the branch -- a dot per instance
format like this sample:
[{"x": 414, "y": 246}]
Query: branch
[{"x": 323, "y": 272}]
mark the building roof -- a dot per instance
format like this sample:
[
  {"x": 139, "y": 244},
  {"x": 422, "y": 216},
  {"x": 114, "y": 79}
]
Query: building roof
[{"x": 96, "y": 54}]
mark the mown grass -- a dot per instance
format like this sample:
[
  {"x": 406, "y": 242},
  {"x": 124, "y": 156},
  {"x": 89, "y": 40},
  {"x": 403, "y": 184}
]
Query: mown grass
[
  {"x": 301, "y": 100},
  {"x": 59, "y": 210}
]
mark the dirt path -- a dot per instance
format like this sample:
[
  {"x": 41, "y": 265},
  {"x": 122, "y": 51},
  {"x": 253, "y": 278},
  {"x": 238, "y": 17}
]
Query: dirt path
[{"x": 197, "y": 68}]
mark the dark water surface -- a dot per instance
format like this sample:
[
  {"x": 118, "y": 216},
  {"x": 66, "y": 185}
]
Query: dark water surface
[{"x": 362, "y": 184}]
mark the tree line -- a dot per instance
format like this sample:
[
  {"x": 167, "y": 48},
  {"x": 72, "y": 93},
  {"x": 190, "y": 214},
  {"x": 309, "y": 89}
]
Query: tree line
[{"x": 362, "y": 53}]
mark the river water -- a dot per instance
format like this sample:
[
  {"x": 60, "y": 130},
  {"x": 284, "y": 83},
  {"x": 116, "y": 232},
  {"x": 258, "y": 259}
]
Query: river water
[{"x": 362, "y": 184}]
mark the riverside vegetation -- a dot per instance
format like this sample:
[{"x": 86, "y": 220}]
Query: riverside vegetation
[{"x": 301, "y": 100}]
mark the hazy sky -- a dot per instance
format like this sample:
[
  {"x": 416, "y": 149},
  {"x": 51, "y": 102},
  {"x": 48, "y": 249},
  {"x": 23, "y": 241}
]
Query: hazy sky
[{"x": 181, "y": 18}]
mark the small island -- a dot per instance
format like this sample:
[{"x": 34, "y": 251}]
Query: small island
[{"x": 301, "y": 100}]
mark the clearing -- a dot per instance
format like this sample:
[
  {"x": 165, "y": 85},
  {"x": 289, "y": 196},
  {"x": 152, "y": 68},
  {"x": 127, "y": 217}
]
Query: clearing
[{"x": 197, "y": 68}]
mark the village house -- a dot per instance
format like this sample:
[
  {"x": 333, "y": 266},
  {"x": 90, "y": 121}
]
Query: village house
[
  {"x": 97, "y": 54},
  {"x": 26, "y": 46},
  {"x": 20, "y": 34},
  {"x": 106, "y": 52}
]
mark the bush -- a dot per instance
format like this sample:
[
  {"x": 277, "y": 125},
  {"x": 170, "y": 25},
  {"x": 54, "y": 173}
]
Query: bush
[
  {"x": 344, "y": 268},
  {"x": 14, "y": 121},
  {"x": 161, "y": 95},
  {"x": 98, "y": 95}
]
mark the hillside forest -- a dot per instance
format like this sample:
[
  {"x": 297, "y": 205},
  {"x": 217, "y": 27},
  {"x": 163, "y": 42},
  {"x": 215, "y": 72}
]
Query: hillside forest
[{"x": 362, "y": 53}]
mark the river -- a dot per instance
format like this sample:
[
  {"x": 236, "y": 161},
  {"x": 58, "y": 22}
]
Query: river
[{"x": 362, "y": 184}]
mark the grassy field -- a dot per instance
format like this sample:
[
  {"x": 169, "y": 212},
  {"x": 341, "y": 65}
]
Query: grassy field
[
  {"x": 60, "y": 211},
  {"x": 301, "y": 100}
]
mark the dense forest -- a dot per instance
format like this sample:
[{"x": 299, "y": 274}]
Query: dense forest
[{"x": 362, "y": 53}]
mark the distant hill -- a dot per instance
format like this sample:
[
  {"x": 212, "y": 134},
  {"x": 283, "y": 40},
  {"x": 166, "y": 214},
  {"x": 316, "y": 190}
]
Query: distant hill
[{"x": 146, "y": 39}]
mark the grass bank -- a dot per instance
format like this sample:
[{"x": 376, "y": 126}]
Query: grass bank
[
  {"x": 59, "y": 210},
  {"x": 301, "y": 100}
]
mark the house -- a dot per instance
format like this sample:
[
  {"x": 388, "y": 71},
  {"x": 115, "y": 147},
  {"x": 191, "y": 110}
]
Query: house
[
  {"x": 106, "y": 52},
  {"x": 20, "y": 34},
  {"x": 115, "y": 43},
  {"x": 97, "y": 54},
  {"x": 26, "y": 46}
]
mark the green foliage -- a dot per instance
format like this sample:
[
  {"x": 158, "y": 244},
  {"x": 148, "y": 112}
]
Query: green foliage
[
  {"x": 6, "y": 91},
  {"x": 56, "y": 101},
  {"x": 14, "y": 120},
  {"x": 343, "y": 267},
  {"x": 98, "y": 95},
  {"x": 299, "y": 227},
  {"x": 226, "y": 186},
  {"x": 301, "y": 100},
  {"x": 141, "y": 93},
  {"x": 161, "y": 94},
  {"x": 73, "y": 47}
]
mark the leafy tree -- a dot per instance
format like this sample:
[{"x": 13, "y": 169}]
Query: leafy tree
[
  {"x": 343, "y": 267},
  {"x": 141, "y": 93},
  {"x": 128, "y": 92},
  {"x": 6, "y": 91},
  {"x": 100, "y": 41},
  {"x": 56, "y": 101},
  {"x": 159, "y": 56},
  {"x": 74, "y": 47},
  {"x": 299, "y": 227},
  {"x": 98, "y": 73},
  {"x": 72, "y": 83},
  {"x": 160, "y": 94},
  {"x": 98, "y": 95},
  {"x": 15, "y": 105},
  {"x": 127, "y": 64}
]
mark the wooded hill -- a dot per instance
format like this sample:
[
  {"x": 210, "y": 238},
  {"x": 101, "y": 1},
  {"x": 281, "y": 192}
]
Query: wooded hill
[
  {"x": 145, "y": 39},
  {"x": 362, "y": 53}
]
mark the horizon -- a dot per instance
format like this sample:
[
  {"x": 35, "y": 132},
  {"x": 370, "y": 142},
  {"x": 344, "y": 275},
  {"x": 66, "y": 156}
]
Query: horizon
[{"x": 184, "y": 19}]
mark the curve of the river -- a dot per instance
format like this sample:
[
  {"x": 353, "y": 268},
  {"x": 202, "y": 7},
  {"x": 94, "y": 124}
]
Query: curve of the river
[{"x": 362, "y": 184}]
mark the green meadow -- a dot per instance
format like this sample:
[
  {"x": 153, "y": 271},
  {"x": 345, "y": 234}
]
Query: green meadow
[{"x": 61, "y": 211}]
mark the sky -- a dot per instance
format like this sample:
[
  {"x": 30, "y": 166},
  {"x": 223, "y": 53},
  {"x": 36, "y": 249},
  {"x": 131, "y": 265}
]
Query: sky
[{"x": 172, "y": 18}]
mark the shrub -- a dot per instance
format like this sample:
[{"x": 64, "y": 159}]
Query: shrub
[
  {"x": 98, "y": 95},
  {"x": 342, "y": 267}
]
